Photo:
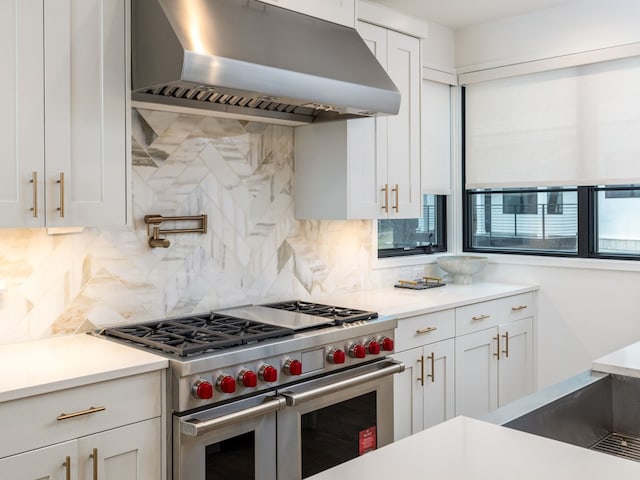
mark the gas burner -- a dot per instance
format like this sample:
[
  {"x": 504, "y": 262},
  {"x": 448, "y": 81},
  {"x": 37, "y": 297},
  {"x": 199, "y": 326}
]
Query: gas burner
[
  {"x": 340, "y": 315},
  {"x": 197, "y": 334}
]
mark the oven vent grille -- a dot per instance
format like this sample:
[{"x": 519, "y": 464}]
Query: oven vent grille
[
  {"x": 620, "y": 445},
  {"x": 210, "y": 96}
]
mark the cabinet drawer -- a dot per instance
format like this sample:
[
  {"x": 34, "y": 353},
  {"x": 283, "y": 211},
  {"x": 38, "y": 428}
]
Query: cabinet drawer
[
  {"x": 476, "y": 317},
  {"x": 424, "y": 329},
  {"x": 38, "y": 421},
  {"x": 516, "y": 307}
]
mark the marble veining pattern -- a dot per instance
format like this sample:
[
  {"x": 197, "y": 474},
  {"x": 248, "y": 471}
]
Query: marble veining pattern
[{"x": 239, "y": 173}]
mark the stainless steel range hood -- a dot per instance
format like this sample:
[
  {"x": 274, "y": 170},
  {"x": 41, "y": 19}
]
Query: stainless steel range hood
[{"x": 247, "y": 59}]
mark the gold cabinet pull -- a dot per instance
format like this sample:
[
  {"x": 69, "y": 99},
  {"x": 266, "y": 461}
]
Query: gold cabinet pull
[
  {"x": 67, "y": 466},
  {"x": 421, "y": 379},
  {"x": 432, "y": 375},
  {"x": 396, "y": 207},
  {"x": 497, "y": 354},
  {"x": 94, "y": 457},
  {"x": 34, "y": 184},
  {"x": 506, "y": 344},
  {"x": 480, "y": 317},
  {"x": 61, "y": 182},
  {"x": 66, "y": 416},
  {"x": 518, "y": 308},
  {"x": 385, "y": 207},
  {"x": 422, "y": 331}
]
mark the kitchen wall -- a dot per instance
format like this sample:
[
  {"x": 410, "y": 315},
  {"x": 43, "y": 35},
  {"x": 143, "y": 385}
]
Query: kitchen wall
[{"x": 241, "y": 175}]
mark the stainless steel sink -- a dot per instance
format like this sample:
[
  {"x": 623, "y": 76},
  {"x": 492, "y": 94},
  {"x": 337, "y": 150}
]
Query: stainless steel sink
[{"x": 591, "y": 410}]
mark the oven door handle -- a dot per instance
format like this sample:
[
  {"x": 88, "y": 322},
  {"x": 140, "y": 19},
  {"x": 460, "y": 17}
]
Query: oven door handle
[
  {"x": 294, "y": 399},
  {"x": 195, "y": 427}
]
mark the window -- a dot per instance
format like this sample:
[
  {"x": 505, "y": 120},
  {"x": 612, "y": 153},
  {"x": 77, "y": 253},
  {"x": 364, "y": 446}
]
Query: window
[
  {"x": 618, "y": 221},
  {"x": 591, "y": 221},
  {"x": 415, "y": 236},
  {"x": 525, "y": 136},
  {"x": 520, "y": 220}
]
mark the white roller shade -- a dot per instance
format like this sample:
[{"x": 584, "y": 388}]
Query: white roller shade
[
  {"x": 574, "y": 126},
  {"x": 436, "y": 138}
]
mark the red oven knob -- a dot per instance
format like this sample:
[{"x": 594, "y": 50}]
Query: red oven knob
[
  {"x": 357, "y": 350},
  {"x": 336, "y": 356},
  {"x": 202, "y": 390},
  {"x": 268, "y": 373},
  {"x": 292, "y": 367},
  {"x": 387, "y": 344},
  {"x": 373, "y": 347},
  {"x": 248, "y": 379},
  {"x": 226, "y": 384}
]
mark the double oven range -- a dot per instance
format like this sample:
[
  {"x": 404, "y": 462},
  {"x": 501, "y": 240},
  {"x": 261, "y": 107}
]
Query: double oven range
[{"x": 273, "y": 392}]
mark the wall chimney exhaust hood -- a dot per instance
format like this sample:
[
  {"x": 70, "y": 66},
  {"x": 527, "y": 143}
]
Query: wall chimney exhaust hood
[{"x": 248, "y": 59}]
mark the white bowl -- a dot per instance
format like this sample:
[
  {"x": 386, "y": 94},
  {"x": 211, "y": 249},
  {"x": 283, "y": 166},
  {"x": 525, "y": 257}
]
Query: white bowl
[{"x": 461, "y": 267}]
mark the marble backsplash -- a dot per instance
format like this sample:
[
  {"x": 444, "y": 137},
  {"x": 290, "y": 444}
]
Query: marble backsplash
[{"x": 240, "y": 174}]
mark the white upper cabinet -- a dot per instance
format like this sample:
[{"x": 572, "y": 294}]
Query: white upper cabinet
[
  {"x": 336, "y": 11},
  {"x": 366, "y": 168},
  {"x": 403, "y": 130},
  {"x": 22, "y": 112},
  {"x": 65, "y": 132}
]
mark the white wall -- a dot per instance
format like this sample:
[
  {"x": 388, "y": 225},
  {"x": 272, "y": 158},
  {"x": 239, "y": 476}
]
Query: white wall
[{"x": 579, "y": 26}]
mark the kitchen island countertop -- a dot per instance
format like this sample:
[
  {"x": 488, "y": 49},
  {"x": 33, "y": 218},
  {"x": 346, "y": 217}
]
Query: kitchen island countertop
[
  {"x": 43, "y": 366},
  {"x": 469, "y": 449},
  {"x": 625, "y": 361}
]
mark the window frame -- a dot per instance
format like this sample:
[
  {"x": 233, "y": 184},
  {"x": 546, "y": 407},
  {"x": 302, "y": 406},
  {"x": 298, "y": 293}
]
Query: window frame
[{"x": 440, "y": 244}]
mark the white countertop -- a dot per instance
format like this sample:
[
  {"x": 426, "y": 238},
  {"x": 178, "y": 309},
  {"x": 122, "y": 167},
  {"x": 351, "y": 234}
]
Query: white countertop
[
  {"x": 625, "y": 361},
  {"x": 403, "y": 302},
  {"x": 468, "y": 449},
  {"x": 33, "y": 368}
]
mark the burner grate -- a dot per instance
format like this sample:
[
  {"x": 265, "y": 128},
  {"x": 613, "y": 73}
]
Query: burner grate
[
  {"x": 197, "y": 334},
  {"x": 340, "y": 315}
]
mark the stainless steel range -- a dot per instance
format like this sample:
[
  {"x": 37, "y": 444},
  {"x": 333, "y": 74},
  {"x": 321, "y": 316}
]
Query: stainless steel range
[{"x": 276, "y": 391}]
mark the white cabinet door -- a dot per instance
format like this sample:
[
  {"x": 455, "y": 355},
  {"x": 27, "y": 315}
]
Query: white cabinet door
[
  {"x": 424, "y": 393},
  {"x": 476, "y": 373},
  {"x": 439, "y": 383},
  {"x": 408, "y": 394},
  {"x": 336, "y": 11},
  {"x": 132, "y": 452},
  {"x": 49, "y": 463},
  {"x": 515, "y": 377},
  {"x": 22, "y": 114},
  {"x": 85, "y": 112},
  {"x": 403, "y": 130}
]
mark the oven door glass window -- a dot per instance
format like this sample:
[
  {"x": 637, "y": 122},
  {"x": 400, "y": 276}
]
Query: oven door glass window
[
  {"x": 337, "y": 433},
  {"x": 232, "y": 459}
]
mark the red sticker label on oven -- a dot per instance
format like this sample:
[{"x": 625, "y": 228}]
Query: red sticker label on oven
[{"x": 368, "y": 440}]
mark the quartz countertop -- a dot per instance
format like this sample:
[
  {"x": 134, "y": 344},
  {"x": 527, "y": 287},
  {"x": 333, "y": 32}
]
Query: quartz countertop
[
  {"x": 468, "y": 449},
  {"x": 404, "y": 302},
  {"x": 625, "y": 361},
  {"x": 43, "y": 366}
]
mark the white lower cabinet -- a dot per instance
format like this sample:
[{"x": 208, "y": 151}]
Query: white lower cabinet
[
  {"x": 41, "y": 464},
  {"x": 495, "y": 365},
  {"x": 428, "y": 382},
  {"x": 125, "y": 453},
  {"x": 90, "y": 432},
  {"x": 467, "y": 360}
]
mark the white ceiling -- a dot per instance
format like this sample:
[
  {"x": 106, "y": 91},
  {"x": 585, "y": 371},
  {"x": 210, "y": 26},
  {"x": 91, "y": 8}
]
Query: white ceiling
[{"x": 462, "y": 13}]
